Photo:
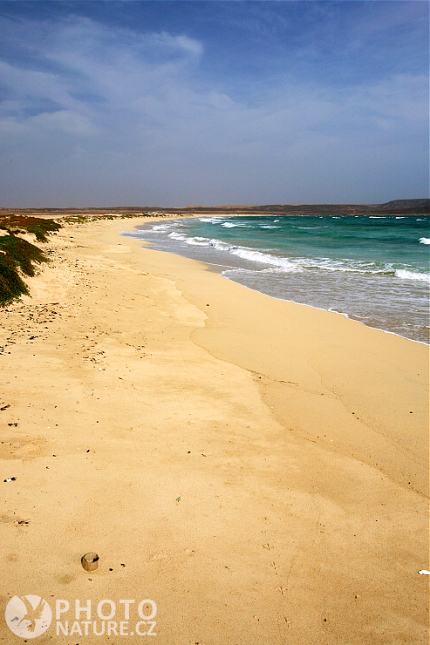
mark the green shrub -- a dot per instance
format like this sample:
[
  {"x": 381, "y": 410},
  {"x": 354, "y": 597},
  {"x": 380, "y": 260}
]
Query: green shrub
[
  {"x": 11, "y": 284},
  {"x": 21, "y": 253},
  {"x": 17, "y": 256}
]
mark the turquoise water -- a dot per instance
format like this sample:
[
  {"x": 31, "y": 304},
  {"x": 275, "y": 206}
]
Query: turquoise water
[{"x": 370, "y": 268}]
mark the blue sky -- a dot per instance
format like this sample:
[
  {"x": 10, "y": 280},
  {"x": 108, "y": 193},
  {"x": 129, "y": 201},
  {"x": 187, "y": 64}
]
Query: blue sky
[{"x": 176, "y": 103}]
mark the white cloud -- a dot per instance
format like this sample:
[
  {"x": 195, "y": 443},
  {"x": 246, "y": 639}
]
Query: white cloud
[
  {"x": 175, "y": 43},
  {"x": 64, "y": 121},
  {"x": 137, "y": 107}
]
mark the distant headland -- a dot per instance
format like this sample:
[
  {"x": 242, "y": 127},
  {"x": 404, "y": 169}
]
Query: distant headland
[{"x": 394, "y": 207}]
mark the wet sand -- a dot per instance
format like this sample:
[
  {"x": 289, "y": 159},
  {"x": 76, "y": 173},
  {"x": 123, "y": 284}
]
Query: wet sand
[{"x": 255, "y": 467}]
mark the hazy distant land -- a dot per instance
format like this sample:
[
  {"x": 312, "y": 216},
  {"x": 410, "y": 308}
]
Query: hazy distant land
[{"x": 395, "y": 207}]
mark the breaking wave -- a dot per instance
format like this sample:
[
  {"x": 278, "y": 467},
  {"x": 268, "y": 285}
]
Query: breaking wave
[{"x": 405, "y": 274}]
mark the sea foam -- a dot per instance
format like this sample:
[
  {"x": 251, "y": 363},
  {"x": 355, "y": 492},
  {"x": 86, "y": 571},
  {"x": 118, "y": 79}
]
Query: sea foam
[
  {"x": 344, "y": 267},
  {"x": 412, "y": 275},
  {"x": 295, "y": 264}
]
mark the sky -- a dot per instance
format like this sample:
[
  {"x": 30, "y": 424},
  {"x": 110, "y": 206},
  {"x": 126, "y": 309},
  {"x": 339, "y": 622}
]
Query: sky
[{"x": 159, "y": 103}]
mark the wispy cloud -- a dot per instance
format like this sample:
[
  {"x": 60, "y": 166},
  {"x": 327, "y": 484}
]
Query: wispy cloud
[{"x": 103, "y": 114}]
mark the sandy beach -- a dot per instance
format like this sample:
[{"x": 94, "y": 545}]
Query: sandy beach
[{"x": 256, "y": 468}]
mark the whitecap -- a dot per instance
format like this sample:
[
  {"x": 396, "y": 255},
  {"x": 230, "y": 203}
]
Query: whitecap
[
  {"x": 231, "y": 225},
  {"x": 163, "y": 227},
  {"x": 219, "y": 245},
  {"x": 197, "y": 241},
  {"x": 177, "y": 236},
  {"x": 265, "y": 258},
  {"x": 425, "y": 240},
  {"x": 348, "y": 266},
  {"x": 404, "y": 274},
  {"x": 212, "y": 220}
]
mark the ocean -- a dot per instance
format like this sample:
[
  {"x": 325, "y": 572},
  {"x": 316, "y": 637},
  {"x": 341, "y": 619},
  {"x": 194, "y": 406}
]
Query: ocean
[{"x": 374, "y": 269}]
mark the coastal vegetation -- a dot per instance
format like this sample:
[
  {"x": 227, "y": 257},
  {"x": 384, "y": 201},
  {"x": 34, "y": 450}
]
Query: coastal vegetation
[
  {"x": 18, "y": 256},
  {"x": 21, "y": 224}
]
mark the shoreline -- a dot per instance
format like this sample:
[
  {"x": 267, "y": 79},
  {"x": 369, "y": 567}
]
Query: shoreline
[
  {"x": 224, "y": 267},
  {"x": 190, "y": 452},
  {"x": 331, "y": 311},
  {"x": 322, "y": 319}
]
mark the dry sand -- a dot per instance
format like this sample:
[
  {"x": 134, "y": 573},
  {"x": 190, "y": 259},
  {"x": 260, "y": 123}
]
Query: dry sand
[{"x": 256, "y": 468}]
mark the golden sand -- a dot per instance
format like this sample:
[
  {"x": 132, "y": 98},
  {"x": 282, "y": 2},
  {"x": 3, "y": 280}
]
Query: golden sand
[{"x": 255, "y": 467}]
